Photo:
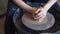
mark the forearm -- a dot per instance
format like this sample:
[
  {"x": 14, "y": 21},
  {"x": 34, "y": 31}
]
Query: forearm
[
  {"x": 49, "y": 4},
  {"x": 23, "y": 5}
]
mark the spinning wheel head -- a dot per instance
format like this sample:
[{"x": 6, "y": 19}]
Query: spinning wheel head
[{"x": 47, "y": 22}]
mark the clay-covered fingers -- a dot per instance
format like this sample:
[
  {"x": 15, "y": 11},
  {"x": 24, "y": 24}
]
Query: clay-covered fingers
[
  {"x": 38, "y": 10},
  {"x": 38, "y": 17},
  {"x": 41, "y": 18},
  {"x": 37, "y": 13}
]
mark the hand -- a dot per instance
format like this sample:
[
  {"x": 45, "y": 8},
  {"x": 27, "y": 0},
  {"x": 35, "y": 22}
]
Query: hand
[
  {"x": 41, "y": 13},
  {"x": 38, "y": 14},
  {"x": 33, "y": 13}
]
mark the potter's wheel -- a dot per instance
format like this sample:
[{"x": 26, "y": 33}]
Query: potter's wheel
[{"x": 35, "y": 25}]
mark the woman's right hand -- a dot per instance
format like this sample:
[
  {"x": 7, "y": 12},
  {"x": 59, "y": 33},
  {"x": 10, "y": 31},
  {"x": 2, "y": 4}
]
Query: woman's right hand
[{"x": 33, "y": 13}]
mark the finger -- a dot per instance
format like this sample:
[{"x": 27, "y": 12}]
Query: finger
[
  {"x": 38, "y": 11},
  {"x": 41, "y": 18},
  {"x": 38, "y": 17}
]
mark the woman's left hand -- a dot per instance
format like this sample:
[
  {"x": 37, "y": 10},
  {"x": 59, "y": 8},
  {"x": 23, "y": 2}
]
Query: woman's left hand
[{"x": 40, "y": 15}]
